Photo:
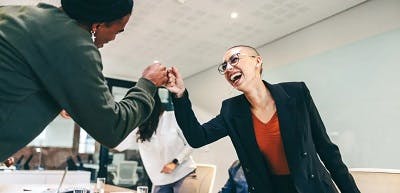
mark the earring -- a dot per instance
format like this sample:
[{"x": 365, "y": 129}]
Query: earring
[{"x": 93, "y": 36}]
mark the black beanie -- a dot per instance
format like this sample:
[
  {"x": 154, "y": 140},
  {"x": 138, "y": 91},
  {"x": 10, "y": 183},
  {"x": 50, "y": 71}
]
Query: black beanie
[{"x": 97, "y": 10}]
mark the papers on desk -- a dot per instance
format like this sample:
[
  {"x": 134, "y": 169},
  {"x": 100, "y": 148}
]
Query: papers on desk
[
  {"x": 43, "y": 188},
  {"x": 121, "y": 192},
  {"x": 69, "y": 190},
  {"x": 5, "y": 168}
]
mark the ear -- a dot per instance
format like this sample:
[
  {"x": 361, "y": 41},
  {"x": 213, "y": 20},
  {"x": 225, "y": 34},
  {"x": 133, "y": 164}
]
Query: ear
[
  {"x": 259, "y": 61},
  {"x": 95, "y": 26}
]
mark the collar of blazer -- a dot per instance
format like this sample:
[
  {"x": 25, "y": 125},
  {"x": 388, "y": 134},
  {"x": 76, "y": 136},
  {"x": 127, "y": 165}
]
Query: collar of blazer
[
  {"x": 281, "y": 97},
  {"x": 239, "y": 108}
]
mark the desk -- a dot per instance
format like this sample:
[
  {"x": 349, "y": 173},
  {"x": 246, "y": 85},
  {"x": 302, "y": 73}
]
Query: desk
[
  {"x": 43, "y": 177},
  {"x": 110, "y": 168},
  {"x": 37, "y": 188},
  {"x": 110, "y": 188}
]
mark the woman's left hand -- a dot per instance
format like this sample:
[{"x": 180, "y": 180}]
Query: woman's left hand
[{"x": 168, "y": 168}]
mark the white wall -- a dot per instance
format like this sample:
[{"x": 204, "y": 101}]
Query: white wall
[
  {"x": 350, "y": 63},
  {"x": 357, "y": 92}
]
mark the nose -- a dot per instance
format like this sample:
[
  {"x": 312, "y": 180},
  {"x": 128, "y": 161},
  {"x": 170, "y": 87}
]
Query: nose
[{"x": 228, "y": 66}]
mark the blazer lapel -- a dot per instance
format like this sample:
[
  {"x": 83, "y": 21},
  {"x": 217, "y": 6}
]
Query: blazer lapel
[
  {"x": 244, "y": 124},
  {"x": 286, "y": 109},
  {"x": 244, "y": 130}
]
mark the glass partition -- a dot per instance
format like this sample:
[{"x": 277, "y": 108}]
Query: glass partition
[{"x": 58, "y": 133}]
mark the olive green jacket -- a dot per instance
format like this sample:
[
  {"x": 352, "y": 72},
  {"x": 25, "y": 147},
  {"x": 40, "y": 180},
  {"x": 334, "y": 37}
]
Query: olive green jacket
[{"x": 49, "y": 63}]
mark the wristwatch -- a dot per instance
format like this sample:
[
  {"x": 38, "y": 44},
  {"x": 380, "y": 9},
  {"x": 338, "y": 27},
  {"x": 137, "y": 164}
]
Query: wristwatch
[{"x": 175, "y": 161}]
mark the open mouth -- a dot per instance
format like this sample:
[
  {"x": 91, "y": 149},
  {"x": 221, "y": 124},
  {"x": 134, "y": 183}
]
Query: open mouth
[{"x": 235, "y": 77}]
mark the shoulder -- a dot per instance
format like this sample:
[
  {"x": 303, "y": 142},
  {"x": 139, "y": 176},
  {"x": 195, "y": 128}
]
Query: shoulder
[
  {"x": 231, "y": 105},
  {"x": 291, "y": 88},
  {"x": 65, "y": 32},
  {"x": 236, "y": 99},
  {"x": 291, "y": 85},
  {"x": 62, "y": 26}
]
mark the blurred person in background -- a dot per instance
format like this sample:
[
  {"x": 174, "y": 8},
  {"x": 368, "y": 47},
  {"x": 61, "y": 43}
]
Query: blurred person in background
[
  {"x": 163, "y": 147},
  {"x": 236, "y": 182},
  {"x": 9, "y": 162}
]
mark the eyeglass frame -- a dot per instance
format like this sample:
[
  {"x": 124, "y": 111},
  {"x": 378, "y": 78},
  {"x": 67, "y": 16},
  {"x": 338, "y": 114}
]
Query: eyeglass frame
[{"x": 226, "y": 63}]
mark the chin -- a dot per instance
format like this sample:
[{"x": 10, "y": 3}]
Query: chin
[
  {"x": 237, "y": 87},
  {"x": 98, "y": 45},
  {"x": 240, "y": 86}
]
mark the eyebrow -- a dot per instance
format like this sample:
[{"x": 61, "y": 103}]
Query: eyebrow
[{"x": 233, "y": 55}]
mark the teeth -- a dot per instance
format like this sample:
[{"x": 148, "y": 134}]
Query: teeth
[{"x": 235, "y": 76}]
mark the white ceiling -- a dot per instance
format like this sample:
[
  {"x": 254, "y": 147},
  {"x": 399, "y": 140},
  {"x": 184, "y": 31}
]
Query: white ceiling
[{"x": 194, "y": 35}]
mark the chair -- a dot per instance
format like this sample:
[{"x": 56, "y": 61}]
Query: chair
[
  {"x": 26, "y": 164},
  {"x": 371, "y": 180},
  {"x": 71, "y": 164},
  {"x": 117, "y": 158},
  {"x": 201, "y": 182},
  {"x": 19, "y": 162},
  {"x": 126, "y": 173},
  {"x": 78, "y": 157}
]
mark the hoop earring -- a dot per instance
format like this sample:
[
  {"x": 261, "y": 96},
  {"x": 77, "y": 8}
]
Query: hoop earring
[{"x": 93, "y": 36}]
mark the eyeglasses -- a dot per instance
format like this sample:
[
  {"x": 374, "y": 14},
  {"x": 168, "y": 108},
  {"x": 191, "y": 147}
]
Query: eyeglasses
[{"x": 232, "y": 61}]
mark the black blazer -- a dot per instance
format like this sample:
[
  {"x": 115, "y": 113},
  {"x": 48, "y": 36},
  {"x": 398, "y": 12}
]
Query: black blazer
[{"x": 303, "y": 134}]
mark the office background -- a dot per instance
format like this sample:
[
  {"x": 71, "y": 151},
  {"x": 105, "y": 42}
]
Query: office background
[{"x": 350, "y": 62}]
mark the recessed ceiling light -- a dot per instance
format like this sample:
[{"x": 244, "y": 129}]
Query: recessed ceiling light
[
  {"x": 181, "y": 1},
  {"x": 234, "y": 15}
]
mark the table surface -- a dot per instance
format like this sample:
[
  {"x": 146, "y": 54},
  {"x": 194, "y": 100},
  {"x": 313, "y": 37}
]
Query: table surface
[
  {"x": 110, "y": 188},
  {"x": 49, "y": 188}
]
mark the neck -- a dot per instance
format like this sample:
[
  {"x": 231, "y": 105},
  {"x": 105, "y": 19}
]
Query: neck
[{"x": 259, "y": 96}]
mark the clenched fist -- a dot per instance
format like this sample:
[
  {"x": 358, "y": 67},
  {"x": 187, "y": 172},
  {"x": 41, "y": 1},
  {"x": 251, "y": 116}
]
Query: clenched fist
[{"x": 156, "y": 73}]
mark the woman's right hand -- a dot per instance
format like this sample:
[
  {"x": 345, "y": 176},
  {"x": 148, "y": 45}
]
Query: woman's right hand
[
  {"x": 156, "y": 73},
  {"x": 175, "y": 82}
]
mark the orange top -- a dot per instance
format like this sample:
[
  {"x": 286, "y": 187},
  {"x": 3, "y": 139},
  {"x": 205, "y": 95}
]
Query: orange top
[{"x": 269, "y": 140}]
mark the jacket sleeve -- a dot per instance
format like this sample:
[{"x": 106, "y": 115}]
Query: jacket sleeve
[
  {"x": 184, "y": 154},
  {"x": 328, "y": 151},
  {"x": 71, "y": 73},
  {"x": 197, "y": 134}
]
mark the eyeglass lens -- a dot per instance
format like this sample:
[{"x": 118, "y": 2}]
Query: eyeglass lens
[{"x": 232, "y": 61}]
